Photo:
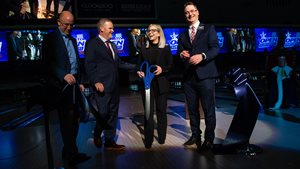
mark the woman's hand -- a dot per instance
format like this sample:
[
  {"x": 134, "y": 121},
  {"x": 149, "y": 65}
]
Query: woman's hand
[{"x": 158, "y": 70}]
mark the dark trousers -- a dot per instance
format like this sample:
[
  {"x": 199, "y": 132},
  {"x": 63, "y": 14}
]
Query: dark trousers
[
  {"x": 34, "y": 5},
  {"x": 56, "y": 5},
  {"x": 108, "y": 107},
  {"x": 194, "y": 90},
  {"x": 68, "y": 111},
  {"x": 160, "y": 100}
]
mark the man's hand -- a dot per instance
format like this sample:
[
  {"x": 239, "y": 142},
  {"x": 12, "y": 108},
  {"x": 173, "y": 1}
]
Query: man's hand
[
  {"x": 99, "y": 87},
  {"x": 196, "y": 59},
  {"x": 185, "y": 54},
  {"x": 70, "y": 79},
  {"x": 81, "y": 86}
]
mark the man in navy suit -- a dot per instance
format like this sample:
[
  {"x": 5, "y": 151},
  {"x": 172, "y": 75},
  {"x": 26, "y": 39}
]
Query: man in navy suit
[
  {"x": 102, "y": 64},
  {"x": 63, "y": 78},
  {"x": 197, "y": 48}
]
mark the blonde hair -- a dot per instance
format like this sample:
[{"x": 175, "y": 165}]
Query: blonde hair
[{"x": 162, "y": 39}]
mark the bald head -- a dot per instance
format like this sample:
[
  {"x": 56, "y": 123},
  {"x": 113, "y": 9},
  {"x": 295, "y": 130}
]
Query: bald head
[
  {"x": 65, "y": 15},
  {"x": 65, "y": 22}
]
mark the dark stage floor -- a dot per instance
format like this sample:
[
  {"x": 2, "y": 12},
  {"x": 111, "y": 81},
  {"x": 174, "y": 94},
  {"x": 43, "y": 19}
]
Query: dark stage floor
[{"x": 23, "y": 146}]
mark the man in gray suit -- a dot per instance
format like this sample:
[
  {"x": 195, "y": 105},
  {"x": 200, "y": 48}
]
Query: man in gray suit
[{"x": 197, "y": 48}]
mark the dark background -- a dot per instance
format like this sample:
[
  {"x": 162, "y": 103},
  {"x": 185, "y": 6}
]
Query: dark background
[{"x": 168, "y": 13}]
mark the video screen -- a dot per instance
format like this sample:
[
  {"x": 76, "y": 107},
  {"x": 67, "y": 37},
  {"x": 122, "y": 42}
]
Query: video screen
[
  {"x": 291, "y": 38},
  {"x": 120, "y": 38},
  {"x": 171, "y": 35},
  {"x": 81, "y": 36},
  {"x": 3, "y": 48},
  {"x": 266, "y": 39},
  {"x": 25, "y": 44},
  {"x": 33, "y": 9},
  {"x": 237, "y": 40},
  {"x": 221, "y": 34}
]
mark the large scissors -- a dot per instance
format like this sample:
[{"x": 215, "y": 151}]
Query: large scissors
[{"x": 148, "y": 76}]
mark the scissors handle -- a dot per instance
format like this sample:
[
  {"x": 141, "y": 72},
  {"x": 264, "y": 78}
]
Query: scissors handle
[{"x": 148, "y": 74}]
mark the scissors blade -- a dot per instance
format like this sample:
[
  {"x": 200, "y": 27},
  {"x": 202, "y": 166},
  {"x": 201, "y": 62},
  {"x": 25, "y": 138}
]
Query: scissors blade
[{"x": 147, "y": 103}]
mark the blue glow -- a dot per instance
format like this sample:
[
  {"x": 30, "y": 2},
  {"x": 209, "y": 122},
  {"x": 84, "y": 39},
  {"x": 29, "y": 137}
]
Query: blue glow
[
  {"x": 120, "y": 38},
  {"x": 3, "y": 47},
  {"x": 221, "y": 33},
  {"x": 81, "y": 36},
  {"x": 266, "y": 39},
  {"x": 171, "y": 35},
  {"x": 291, "y": 38}
]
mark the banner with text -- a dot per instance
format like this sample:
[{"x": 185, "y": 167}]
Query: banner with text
[{"x": 120, "y": 9}]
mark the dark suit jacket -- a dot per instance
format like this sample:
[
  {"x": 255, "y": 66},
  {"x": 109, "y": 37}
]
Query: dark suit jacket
[
  {"x": 57, "y": 64},
  {"x": 100, "y": 66},
  {"x": 165, "y": 61},
  {"x": 206, "y": 41}
]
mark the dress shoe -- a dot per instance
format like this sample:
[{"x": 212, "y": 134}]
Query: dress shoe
[
  {"x": 148, "y": 146},
  {"x": 113, "y": 146},
  {"x": 79, "y": 158},
  {"x": 161, "y": 141},
  {"x": 98, "y": 142},
  {"x": 207, "y": 145},
  {"x": 192, "y": 141}
]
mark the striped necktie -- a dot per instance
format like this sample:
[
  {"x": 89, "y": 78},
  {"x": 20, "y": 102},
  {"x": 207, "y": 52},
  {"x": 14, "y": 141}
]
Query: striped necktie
[{"x": 193, "y": 33}]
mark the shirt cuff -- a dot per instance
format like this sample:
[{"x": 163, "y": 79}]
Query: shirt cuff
[{"x": 203, "y": 56}]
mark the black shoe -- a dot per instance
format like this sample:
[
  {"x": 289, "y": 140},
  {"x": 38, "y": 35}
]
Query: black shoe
[
  {"x": 148, "y": 146},
  {"x": 207, "y": 145},
  {"x": 161, "y": 141},
  {"x": 97, "y": 136},
  {"x": 113, "y": 146},
  {"x": 98, "y": 142},
  {"x": 192, "y": 141},
  {"x": 78, "y": 158}
]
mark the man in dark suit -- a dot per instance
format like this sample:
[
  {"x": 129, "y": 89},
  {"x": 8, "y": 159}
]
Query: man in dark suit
[
  {"x": 102, "y": 64},
  {"x": 198, "y": 47},
  {"x": 63, "y": 75}
]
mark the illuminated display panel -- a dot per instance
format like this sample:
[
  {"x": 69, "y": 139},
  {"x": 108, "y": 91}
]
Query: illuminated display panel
[{"x": 266, "y": 39}]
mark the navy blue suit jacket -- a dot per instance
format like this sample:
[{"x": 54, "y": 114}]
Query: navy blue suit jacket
[
  {"x": 100, "y": 66},
  {"x": 56, "y": 59},
  {"x": 206, "y": 41}
]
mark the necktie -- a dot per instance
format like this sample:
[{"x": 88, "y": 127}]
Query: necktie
[
  {"x": 193, "y": 33},
  {"x": 109, "y": 49}
]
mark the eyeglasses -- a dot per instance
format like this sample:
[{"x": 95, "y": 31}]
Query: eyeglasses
[
  {"x": 190, "y": 12},
  {"x": 152, "y": 30},
  {"x": 67, "y": 24}
]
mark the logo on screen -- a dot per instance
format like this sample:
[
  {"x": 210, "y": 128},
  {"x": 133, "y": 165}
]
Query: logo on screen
[
  {"x": 119, "y": 41},
  {"x": 174, "y": 41},
  {"x": 267, "y": 41},
  {"x": 80, "y": 43},
  {"x": 292, "y": 41}
]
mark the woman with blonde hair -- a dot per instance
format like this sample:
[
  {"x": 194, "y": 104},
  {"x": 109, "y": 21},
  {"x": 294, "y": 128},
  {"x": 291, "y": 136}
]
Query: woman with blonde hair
[{"x": 156, "y": 52}]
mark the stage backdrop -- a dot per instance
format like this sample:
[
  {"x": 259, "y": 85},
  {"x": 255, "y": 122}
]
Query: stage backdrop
[{"x": 118, "y": 9}]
